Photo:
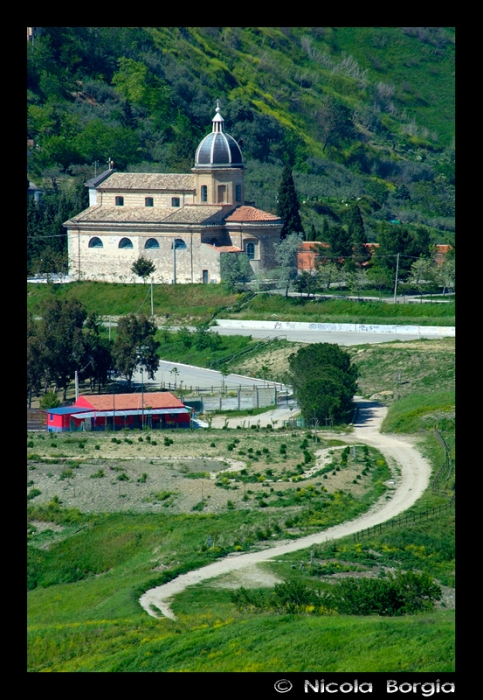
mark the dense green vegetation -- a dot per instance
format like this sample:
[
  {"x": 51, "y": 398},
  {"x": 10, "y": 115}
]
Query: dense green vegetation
[
  {"x": 324, "y": 382},
  {"x": 362, "y": 114}
]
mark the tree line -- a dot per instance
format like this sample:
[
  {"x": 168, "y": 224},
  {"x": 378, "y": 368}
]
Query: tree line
[{"x": 67, "y": 339}]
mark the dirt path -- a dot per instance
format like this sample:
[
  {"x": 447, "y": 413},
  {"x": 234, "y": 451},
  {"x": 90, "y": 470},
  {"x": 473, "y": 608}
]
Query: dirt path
[{"x": 411, "y": 483}]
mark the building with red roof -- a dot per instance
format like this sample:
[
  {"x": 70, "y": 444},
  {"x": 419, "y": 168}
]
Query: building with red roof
[{"x": 117, "y": 411}]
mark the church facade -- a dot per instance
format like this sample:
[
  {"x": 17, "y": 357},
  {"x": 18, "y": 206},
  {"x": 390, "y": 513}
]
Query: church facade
[{"x": 181, "y": 222}]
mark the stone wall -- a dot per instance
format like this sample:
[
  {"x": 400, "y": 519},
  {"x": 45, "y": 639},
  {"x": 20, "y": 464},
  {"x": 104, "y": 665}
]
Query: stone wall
[
  {"x": 229, "y": 177},
  {"x": 137, "y": 198},
  {"x": 113, "y": 264}
]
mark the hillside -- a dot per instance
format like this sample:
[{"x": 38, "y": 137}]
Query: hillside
[{"x": 362, "y": 113}]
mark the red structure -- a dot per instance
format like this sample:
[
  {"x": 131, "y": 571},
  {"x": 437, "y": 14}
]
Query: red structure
[{"x": 118, "y": 411}]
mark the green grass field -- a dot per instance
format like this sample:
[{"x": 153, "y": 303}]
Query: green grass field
[
  {"x": 87, "y": 569},
  {"x": 196, "y": 304}
]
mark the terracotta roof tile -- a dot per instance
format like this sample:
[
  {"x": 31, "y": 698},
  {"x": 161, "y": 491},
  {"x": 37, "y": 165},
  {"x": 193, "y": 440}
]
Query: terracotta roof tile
[
  {"x": 148, "y": 181},
  {"x": 225, "y": 248},
  {"x": 198, "y": 214},
  {"x": 101, "y": 213},
  {"x": 245, "y": 213},
  {"x": 106, "y": 402}
]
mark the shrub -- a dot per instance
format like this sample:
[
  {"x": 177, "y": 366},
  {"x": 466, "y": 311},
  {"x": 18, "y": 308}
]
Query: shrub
[
  {"x": 399, "y": 594},
  {"x": 49, "y": 400},
  {"x": 163, "y": 495},
  {"x": 33, "y": 493},
  {"x": 123, "y": 477},
  {"x": 199, "y": 506},
  {"x": 97, "y": 475}
]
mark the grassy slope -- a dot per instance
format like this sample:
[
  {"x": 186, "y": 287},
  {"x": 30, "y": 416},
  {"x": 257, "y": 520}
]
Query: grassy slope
[
  {"x": 184, "y": 302},
  {"x": 96, "y": 623},
  {"x": 195, "y": 304}
]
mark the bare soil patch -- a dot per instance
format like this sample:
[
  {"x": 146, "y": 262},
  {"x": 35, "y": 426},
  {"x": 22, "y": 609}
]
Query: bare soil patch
[{"x": 195, "y": 472}]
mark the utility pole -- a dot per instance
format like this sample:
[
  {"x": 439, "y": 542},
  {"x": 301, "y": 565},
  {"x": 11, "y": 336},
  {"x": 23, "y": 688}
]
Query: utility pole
[
  {"x": 174, "y": 261},
  {"x": 395, "y": 281}
]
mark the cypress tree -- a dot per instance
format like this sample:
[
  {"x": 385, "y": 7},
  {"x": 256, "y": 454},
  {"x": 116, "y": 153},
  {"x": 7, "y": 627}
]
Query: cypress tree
[
  {"x": 288, "y": 205},
  {"x": 355, "y": 227}
]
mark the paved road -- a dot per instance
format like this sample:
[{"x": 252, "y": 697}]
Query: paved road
[
  {"x": 338, "y": 337},
  {"x": 411, "y": 483},
  {"x": 188, "y": 375}
]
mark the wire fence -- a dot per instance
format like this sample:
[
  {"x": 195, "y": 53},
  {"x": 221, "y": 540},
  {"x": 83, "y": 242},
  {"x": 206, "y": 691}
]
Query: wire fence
[
  {"x": 447, "y": 468},
  {"x": 405, "y": 520}
]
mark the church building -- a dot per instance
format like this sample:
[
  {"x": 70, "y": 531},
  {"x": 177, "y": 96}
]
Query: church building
[{"x": 182, "y": 223}]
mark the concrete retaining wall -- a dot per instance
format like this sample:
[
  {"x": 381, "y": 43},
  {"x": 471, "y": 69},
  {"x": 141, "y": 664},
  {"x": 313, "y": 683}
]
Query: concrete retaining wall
[{"x": 441, "y": 331}]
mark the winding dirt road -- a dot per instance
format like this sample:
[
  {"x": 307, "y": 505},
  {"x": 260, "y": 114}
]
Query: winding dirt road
[{"x": 411, "y": 483}]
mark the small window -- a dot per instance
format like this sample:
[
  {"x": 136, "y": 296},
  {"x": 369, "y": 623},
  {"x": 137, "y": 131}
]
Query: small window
[
  {"x": 149, "y": 202},
  {"x": 175, "y": 201},
  {"x": 250, "y": 251},
  {"x": 125, "y": 243},
  {"x": 151, "y": 243},
  {"x": 96, "y": 243},
  {"x": 179, "y": 244},
  {"x": 238, "y": 193},
  {"x": 119, "y": 201},
  {"x": 204, "y": 193}
]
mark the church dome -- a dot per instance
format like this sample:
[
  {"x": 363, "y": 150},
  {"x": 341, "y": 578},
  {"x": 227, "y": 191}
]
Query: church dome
[{"x": 218, "y": 150}]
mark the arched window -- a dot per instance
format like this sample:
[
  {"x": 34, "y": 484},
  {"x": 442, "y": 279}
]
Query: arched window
[
  {"x": 119, "y": 201},
  {"x": 125, "y": 243},
  {"x": 204, "y": 193},
  {"x": 151, "y": 243},
  {"x": 179, "y": 244},
  {"x": 250, "y": 251},
  {"x": 149, "y": 202},
  {"x": 96, "y": 243}
]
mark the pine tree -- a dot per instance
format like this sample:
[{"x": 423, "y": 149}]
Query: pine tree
[{"x": 288, "y": 205}]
